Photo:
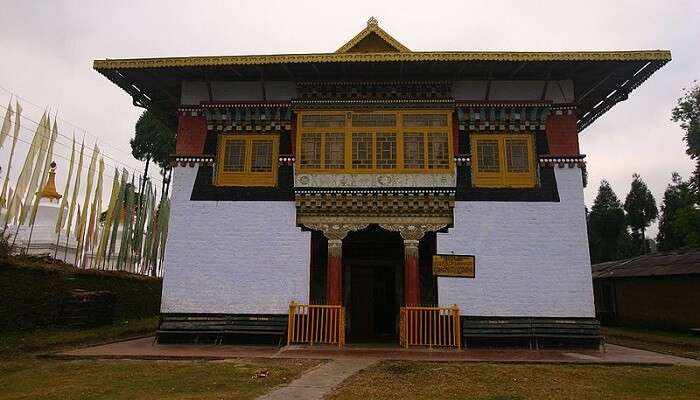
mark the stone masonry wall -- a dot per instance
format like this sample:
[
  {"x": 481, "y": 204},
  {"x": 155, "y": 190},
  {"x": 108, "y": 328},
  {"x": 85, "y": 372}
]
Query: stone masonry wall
[
  {"x": 232, "y": 257},
  {"x": 531, "y": 258}
]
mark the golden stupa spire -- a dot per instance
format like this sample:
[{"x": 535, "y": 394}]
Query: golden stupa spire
[{"x": 49, "y": 191}]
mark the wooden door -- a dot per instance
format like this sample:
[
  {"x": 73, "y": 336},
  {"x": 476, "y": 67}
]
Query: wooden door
[{"x": 362, "y": 302}]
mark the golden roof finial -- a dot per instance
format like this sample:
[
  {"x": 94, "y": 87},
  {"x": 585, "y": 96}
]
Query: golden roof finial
[
  {"x": 372, "y": 21},
  {"x": 49, "y": 191}
]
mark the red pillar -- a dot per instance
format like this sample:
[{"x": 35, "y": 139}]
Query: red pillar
[
  {"x": 411, "y": 273},
  {"x": 334, "y": 272}
]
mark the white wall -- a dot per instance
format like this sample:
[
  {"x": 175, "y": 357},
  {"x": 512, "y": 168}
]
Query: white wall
[
  {"x": 531, "y": 258},
  {"x": 232, "y": 256}
]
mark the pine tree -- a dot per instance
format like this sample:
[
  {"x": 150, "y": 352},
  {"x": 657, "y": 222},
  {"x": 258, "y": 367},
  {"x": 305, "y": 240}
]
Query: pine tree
[
  {"x": 153, "y": 141},
  {"x": 641, "y": 210},
  {"x": 606, "y": 225},
  {"x": 687, "y": 113},
  {"x": 679, "y": 224}
]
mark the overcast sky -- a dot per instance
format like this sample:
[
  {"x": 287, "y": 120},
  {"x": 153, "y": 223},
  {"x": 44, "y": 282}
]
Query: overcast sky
[{"x": 48, "y": 47}]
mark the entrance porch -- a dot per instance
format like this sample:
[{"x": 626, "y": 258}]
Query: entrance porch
[{"x": 373, "y": 270}]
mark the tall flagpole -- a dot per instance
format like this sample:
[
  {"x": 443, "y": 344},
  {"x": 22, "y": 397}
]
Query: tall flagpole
[
  {"x": 3, "y": 194},
  {"x": 74, "y": 198},
  {"x": 64, "y": 200}
]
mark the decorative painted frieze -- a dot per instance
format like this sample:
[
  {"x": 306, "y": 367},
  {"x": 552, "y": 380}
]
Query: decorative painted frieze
[
  {"x": 250, "y": 117},
  {"x": 474, "y": 116},
  {"x": 373, "y": 180},
  {"x": 562, "y": 161},
  {"x": 399, "y": 207},
  {"x": 191, "y": 161},
  {"x": 286, "y": 160}
]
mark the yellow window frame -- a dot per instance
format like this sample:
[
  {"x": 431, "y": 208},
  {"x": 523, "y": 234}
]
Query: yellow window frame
[
  {"x": 247, "y": 177},
  {"x": 503, "y": 178},
  {"x": 398, "y": 130}
]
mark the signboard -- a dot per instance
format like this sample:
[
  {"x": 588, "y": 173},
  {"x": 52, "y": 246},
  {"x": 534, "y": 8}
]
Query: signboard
[{"x": 453, "y": 265}]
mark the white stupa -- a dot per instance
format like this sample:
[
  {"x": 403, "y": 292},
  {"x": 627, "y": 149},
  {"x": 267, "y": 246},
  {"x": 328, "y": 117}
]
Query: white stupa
[{"x": 41, "y": 239}]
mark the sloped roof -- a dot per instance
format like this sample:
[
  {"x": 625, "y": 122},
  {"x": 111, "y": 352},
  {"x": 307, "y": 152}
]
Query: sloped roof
[
  {"x": 601, "y": 78},
  {"x": 656, "y": 264}
]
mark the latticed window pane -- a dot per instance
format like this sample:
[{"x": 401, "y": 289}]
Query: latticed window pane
[
  {"x": 234, "y": 155},
  {"x": 374, "y": 120},
  {"x": 425, "y": 120},
  {"x": 413, "y": 150},
  {"x": 323, "y": 121},
  {"x": 261, "y": 159},
  {"x": 386, "y": 150},
  {"x": 517, "y": 155},
  {"x": 362, "y": 150},
  {"x": 335, "y": 151},
  {"x": 311, "y": 150},
  {"x": 438, "y": 152},
  {"x": 487, "y": 156}
]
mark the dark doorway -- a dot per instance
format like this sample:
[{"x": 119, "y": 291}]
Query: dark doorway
[{"x": 373, "y": 283}]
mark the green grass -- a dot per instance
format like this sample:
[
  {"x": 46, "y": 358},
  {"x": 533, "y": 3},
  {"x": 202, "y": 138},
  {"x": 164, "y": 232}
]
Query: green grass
[
  {"x": 173, "y": 380},
  {"x": 17, "y": 344},
  {"x": 675, "y": 343},
  {"x": 428, "y": 380},
  {"x": 22, "y": 376}
]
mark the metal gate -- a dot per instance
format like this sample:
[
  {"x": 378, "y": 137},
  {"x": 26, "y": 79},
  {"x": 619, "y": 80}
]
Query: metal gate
[
  {"x": 310, "y": 324},
  {"x": 430, "y": 326}
]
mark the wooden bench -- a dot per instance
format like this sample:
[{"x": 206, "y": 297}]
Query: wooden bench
[
  {"x": 535, "y": 331},
  {"x": 567, "y": 330},
  {"x": 217, "y": 326},
  {"x": 517, "y": 328}
]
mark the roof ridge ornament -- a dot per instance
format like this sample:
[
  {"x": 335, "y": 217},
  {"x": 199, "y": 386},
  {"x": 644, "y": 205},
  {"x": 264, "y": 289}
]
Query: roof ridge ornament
[{"x": 387, "y": 42}]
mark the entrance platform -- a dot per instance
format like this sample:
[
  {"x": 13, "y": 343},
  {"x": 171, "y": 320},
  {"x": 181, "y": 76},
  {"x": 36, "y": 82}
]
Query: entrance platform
[{"x": 145, "y": 348}]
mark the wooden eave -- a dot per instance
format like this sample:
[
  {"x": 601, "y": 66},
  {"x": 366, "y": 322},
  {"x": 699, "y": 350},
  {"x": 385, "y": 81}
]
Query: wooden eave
[
  {"x": 601, "y": 79},
  {"x": 415, "y": 56}
]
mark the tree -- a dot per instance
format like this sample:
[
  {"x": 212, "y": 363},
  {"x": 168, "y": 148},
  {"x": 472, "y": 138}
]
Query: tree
[
  {"x": 641, "y": 210},
  {"x": 679, "y": 224},
  {"x": 606, "y": 225},
  {"x": 153, "y": 141},
  {"x": 687, "y": 113}
]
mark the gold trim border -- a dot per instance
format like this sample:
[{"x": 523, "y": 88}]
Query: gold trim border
[{"x": 204, "y": 61}]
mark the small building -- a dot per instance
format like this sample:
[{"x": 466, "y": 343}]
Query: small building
[
  {"x": 337, "y": 178},
  {"x": 659, "y": 290}
]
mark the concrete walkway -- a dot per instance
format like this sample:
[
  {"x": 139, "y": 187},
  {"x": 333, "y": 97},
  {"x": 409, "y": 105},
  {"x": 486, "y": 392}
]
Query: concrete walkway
[
  {"x": 145, "y": 349},
  {"x": 318, "y": 382}
]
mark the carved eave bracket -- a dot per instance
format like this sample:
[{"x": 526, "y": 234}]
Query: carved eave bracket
[
  {"x": 413, "y": 233},
  {"x": 336, "y": 232}
]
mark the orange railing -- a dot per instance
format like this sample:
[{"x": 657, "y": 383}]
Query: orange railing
[
  {"x": 310, "y": 324},
  {"x": 429, "y": 326}
]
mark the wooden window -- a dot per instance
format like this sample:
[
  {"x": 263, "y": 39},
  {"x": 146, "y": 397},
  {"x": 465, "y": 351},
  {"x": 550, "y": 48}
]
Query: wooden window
[
  {"x": 517, "y": 155},
  {"x": 234, "y": 155},
  {"x": 361, "y": 150},
  {"x": 408, "y": 141},
  {"x": 438, "y": 150},
  {"x": 247, "y": 160},
  {"x": 323, "y": 120},
  {"x": 311, "y": 150},
  {"x": 386, "y": 150},
  {"x": 503, "y": 160},
  {"x": 413, "y": 150},
  {"x": 487, "y": 159},
  {"x": 261, "y": 160},
  {"x": 335, "y": 151},
  {"x": 426, "y": 120}
]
